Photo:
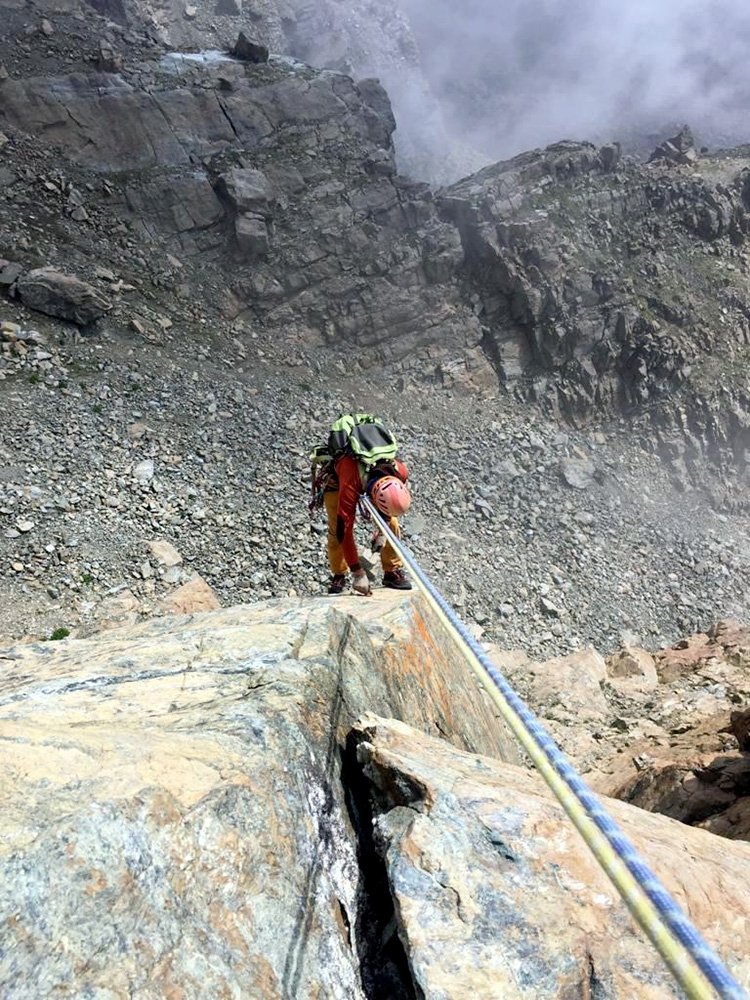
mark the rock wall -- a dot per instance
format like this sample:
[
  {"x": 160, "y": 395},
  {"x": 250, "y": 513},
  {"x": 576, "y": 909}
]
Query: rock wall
[
  {"x": 342, "y": 251},
  {"x": 567, "y": 250},
  {"x": 357, "y": 38},
  {"x": 602, "y": 284}
]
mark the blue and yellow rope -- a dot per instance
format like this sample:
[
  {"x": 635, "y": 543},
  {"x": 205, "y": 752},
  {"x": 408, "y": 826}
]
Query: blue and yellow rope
[{"x": 695, "y": 965}]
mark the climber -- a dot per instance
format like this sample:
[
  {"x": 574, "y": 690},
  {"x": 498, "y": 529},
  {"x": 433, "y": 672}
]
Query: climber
[
  {"x": 386, "y": 485},
  {"x": 359, "y": 457}
]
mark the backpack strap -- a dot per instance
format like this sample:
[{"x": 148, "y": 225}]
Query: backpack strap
[{"x": 338, "y": 439}]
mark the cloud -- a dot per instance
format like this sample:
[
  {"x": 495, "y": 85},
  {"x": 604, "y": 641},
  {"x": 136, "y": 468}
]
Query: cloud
[{"x": 509, "y": 75}]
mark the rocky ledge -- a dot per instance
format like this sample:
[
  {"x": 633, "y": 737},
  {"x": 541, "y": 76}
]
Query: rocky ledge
[
  {"x": 667, "y": 732},
  {"x": 192, "y": 810}
]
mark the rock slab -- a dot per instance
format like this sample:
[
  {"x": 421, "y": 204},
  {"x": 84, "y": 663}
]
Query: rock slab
[
  {"x": 495, "y": 894},
  {"x": 172, "y": 816}
]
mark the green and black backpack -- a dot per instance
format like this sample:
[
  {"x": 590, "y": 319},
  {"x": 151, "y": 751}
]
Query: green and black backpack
[
  {"x": 360, "y": 435},
  {"x": 364, "y": 437}
]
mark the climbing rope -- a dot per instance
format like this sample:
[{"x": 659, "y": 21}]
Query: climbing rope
[{"x": 695, "y": 965}]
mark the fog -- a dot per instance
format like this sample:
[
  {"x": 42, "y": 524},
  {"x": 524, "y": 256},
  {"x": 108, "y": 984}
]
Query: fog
[{"x": 508, "y": 75}]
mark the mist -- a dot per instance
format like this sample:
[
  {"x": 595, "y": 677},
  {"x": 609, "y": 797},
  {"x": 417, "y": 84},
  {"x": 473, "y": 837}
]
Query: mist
[{"x": 501, "y": 77}]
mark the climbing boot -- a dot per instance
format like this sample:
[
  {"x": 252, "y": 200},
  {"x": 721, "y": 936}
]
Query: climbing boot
[
  {"x": 397, "y": 580},
  {"x": 337, "y": 584}
]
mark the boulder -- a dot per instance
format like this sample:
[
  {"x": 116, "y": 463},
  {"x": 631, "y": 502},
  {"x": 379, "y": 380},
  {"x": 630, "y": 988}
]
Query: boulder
[
  {"x": 165, "y": 553},
  {"x": 610, "y": 155},
  {"x": 49, "y": 291},
  {"x": 108, "y": 60},
  {"x": 176, "y": 816},
  {"x": 9, "y": 273},
  {"x": 494, "y": 893},
  {"x": 250, "y": 195},
  {"x": 193, "y": 596},
  {"x": 680, "y": 149},
  {"x": 249, "y": 51},
  {"x": 578, "y": 473},
  {"x": 632, "y": 669},
  {"x": 568, "y": 688},
  {"x": 247, "y": 190},
  {"x": 251, "y": 233},
  {"x": 143, "y": 471}
]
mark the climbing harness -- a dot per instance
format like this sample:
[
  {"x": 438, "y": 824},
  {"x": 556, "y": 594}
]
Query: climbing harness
[
  {"x": 320, "y": 480},
  {"x": 694, "y": 964}
]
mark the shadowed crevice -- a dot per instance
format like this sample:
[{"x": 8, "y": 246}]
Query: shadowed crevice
[{"x": 384, "y": 967}]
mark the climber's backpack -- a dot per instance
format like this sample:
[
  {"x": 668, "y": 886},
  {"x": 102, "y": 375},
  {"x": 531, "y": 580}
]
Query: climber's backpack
[
  {"x": 364, "y": 437},
  {"x": 360, "y": 435}
]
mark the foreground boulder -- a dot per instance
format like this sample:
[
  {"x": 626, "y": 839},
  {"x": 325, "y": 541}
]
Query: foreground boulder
[
  {"x": 50, "y": 291},
  {"x": 173, "y": 817},
  {"x": 495, "y": 894},
  {"x": 187, "y": 812}
]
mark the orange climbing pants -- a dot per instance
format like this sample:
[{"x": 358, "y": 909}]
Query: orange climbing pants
[{"x": 336, "y": 560}]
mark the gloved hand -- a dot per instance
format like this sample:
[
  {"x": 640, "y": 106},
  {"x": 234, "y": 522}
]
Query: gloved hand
[
  {"x": 361, "y": 583},
  {"x": 377, "y": 542}
]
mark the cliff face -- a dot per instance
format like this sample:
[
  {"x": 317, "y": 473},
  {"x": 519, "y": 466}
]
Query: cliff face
[
  {"x": 185, "y": 813},
  {"x": 271, "y": 188},
  {"x": 265, "y": 196},
  {"x": 358, "y": 38},
  {"x": 610, "y": 285}
]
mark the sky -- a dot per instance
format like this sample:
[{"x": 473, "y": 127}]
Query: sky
[{"x": 510, "y": 75}]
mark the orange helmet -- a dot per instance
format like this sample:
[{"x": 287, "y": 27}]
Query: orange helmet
[{"x": 391, "y": 496}]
